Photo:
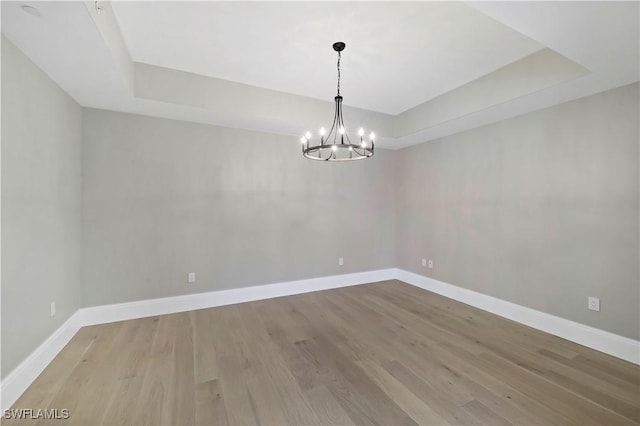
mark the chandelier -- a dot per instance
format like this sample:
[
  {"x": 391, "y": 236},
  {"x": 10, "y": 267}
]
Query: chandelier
[{"x": 336, "y": 145}]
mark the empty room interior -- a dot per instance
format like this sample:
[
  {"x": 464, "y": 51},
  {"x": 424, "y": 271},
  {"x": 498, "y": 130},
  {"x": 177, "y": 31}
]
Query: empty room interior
[{"x": 320, "y": 213}]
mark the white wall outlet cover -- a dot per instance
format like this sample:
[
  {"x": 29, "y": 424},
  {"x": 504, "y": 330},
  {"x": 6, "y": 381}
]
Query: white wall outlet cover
[
  {"x": 594, "y": 304},
  {"x": 431, "y": 264},
  {"x": 424, "y": 262},
  {"x": 191, "y": 277},
  {"x": 53, "y": 309},
  {"x": 341, "y": 261}
]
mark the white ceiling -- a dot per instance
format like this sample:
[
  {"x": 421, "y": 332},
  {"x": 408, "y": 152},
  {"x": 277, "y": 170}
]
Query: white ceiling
[
  {"x": 411, "y": 71},
  {"x": 398, "y": 55}
]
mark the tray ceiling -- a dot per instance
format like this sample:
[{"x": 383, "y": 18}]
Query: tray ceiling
[
  {"x": 398, "y": 55},
  {"x": 412, "y": 71}
]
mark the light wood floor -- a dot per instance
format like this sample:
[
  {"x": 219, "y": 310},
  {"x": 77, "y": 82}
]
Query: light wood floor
[{"x": 384, "y": 353}]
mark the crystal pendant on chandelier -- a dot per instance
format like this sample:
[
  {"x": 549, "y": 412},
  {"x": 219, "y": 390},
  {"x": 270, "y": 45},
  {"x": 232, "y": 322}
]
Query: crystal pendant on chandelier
[{"x": 336, "y": 144}]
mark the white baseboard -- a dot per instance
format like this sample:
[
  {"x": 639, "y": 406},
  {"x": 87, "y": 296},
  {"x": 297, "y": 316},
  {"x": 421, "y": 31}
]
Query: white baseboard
[
  {"x": 190, "y": 302},
  {"x": 22, "y": 376},
  {"x": 603, "y": 341},
  {"x": 30, "y": 368}
]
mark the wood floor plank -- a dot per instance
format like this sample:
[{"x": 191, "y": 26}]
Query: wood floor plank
[
  {"x": 83, "y": 393},
  {"x": 129, "y": 374},
  {"x": 263, "y": 393},
  {"x": 333, "y": 371},
  {"x": 601, "y": 392},
  {"x": 483, "y": 414},
  {"x": 151, "y": 408},
  {"x": 625, "y": 387},
  {"x": 360, "y": 397},
  {"x": 279, "y": 325},
  {"x": 49, "y": 383},
  {"x": 552, "y": 395},
  {"x": 416, "y": 408},
  {"x": 237, "y": 400},
  {"x": 181, "y": 401},
  {"x": 210, "y": 409},
  {"x": 483, "y": 386},
  {"x": 327, "y": 408},
  {"x": 295, "y": 405},
  {"x": 504, "y": 399},
  {"x": 568, "y": 378},
  {"x": 204, "y": 349},
  {"x": 416, "y": 355},
  {"x": 383, "y": 353}
]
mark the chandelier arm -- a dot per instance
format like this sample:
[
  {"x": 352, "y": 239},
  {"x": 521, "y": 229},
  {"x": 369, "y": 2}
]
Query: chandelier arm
[
  {"x": 333, "y": 126},
  {"x": 357, "y": 151},
  {"x": 364, "y": 154},
  {"x": 341, "y": 123}
]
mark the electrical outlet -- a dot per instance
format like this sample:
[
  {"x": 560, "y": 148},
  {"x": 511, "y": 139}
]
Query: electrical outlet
[
  {"x": 594, "y": 304},
  {"x": 424, "y": 262},
  {"x": 430, "y": 264},
  {"x": 341, "y": 261},
  {"x": 191, "y": 277},
  {"x": 53, "y": 309}
]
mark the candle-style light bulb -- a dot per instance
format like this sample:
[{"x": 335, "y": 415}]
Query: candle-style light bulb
[
  {"x": 334, "y": 148},
  {"x": 307, "y": 135},
  {"x": 372, "y": 136},
  {"x": 303, "y": 140},
  {"x": 363, "y": 144},
  {"x": 342, "y": 130},
  {"x": 361, "y": 131},
  {"x": 323, "y": 131},
  {"x": 350, "y": 148}
]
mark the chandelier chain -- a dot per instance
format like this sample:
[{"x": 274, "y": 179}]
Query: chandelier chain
[{"x": 339, "y": 73}]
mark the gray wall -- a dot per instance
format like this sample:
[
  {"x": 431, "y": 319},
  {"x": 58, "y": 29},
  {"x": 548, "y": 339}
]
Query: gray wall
[
  {"x": 540, "y": 210},
  {"x": 41, "y": 131},
  {"x": 162, "y": 198}
]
